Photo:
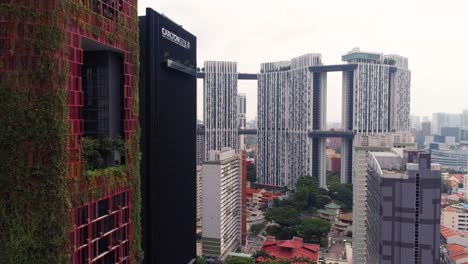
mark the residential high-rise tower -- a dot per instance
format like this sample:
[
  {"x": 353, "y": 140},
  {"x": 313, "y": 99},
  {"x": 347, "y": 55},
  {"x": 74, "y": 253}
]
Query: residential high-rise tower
[
  {"x": 284, "y": 120},
  {"x": 241, "y": 120},
  {"x": 220, "y": 105}
]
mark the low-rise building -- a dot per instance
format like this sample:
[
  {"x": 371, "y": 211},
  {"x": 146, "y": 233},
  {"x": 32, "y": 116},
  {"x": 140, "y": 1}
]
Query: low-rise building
[
  {"x": 455, "y": 217},
  {"x": 260, "y": 198},
  {"x": 332, "y": 210},
  {"x": 344, "y": 222},
  {"x": 454, "y": 254},
  {"x": 451, "y": 236},
  {"x": 289, "y": 249}
]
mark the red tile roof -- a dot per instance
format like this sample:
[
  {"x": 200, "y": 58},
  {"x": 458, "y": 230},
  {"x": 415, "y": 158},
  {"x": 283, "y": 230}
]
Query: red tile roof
[
  {"x": 287, "y": 249},
  {"x": 457, "y": 251},
  {"x": 447, "y": 232}
]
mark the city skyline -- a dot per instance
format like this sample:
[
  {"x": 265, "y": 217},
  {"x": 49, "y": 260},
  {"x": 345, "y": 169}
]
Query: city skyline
[{"x": 231, "y": 38}]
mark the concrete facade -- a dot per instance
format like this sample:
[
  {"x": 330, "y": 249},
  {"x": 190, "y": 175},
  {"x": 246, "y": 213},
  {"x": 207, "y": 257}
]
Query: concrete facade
[
  {"x": 241, "y": 118},
  {"x": 455, "y": 217},
  {"x": 284, "y": 119},
  {"x": 220, "y": 105},
  {"x": 221, "y": 205}
]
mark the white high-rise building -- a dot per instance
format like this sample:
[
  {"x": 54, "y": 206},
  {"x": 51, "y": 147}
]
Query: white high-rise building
[
  {"x": 379, "y": 96},
  {"x": 381, "y": 92},
  {"x": 220, "y": 105},
  {"x": 221, "y": 203},
  {"x": 284, "y": 119},
  {"x": 241, "y": 120}
]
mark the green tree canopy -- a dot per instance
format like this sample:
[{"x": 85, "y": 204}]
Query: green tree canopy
[
  {"x": 312, "y": 230},
  {"x": 281, "y": 232},
  {"x": 238, "y": 260},
  {"x": 284, "y": 216},
  {"x": 201, "y": 260},
  {"x": 251, "y": 173},
  {"x": 343, "y": 194}
]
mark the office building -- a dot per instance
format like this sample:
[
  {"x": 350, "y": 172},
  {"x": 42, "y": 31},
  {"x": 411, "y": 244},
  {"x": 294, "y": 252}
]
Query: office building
[
  {"x": 464, "y": 119},
  {"x": 464, "y": 136},
  {"x": 415, "y": 122},
  {"x": 403, "y": 208},
  {"x": 362, "y": 145},
  {"x": 440, "y": 120},
  {"x": 423, "y": 133},
  {"x": 168, "y": 139},
  {"x": 284, "y": 119},
  {"x": 241, "y": 120},
  {"x": 451, "y": 132},
  {"x": 455, "y": 160},
  {"x": 51, "y": 211},
  {"x": 220, "y": 105},
  {"x": 221, "y": 217}
]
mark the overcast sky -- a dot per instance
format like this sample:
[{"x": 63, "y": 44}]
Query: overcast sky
[{"x": 432, "y": 34}]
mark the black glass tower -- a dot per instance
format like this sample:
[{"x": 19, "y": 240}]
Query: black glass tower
[{"x": 168, "y": 138}]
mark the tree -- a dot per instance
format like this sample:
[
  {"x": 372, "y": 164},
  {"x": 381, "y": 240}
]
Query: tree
[
  {"x": 281, "y": 232},
  {"x": 300, "y": 199},
  {"x": 257, "y": 228},
  {"x": 284, "y": 216},
  {"x": 201, "y": 260},
  {"x": 307, "y": 182},
  {"x": 305, "y": 195},
  {"x": 269, "y": 259},
  {"x": 343, "y": 193},
  {"x": 322, "y": 200},
  {"x": 312, "y": 230},
  {"x": 238, "y": 260},
  {"x": 349, "y": 234},
  {"x": 445, "y": 186},
  {"x": 251, "y": 173}
]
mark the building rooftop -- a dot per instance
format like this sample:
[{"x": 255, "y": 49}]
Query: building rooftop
[
  {"x": 457, "y": 252},
  {"x": 346, "y": 217},
  {"x": 288, "y": 249},
  {"x": 332, "y": 206},
  {"x": 447, "y": 232},
  {"x": 325, "y": 212},
  {"x": 356, "y": 53}
]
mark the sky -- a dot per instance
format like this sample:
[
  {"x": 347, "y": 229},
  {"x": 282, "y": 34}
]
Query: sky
[{"x": 432, "y": 34}]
